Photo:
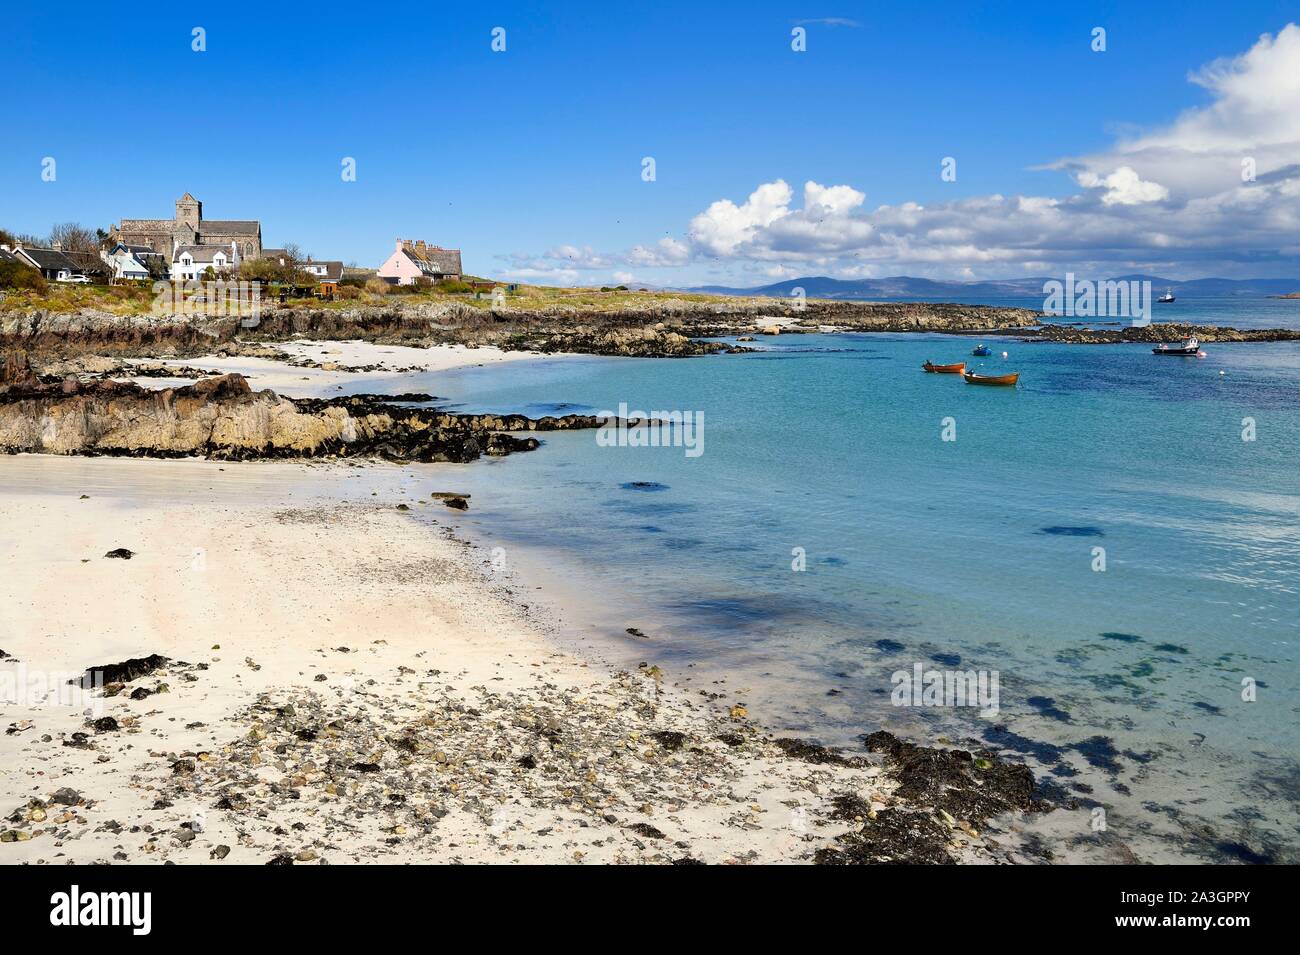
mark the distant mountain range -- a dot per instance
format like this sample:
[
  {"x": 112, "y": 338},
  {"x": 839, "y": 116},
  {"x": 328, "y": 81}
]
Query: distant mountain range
[{"x": 905, "y": 286}]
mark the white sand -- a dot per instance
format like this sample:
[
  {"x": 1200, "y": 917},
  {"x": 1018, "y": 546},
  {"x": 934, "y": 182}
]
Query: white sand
[
  {"x": 315, "y": 382},
  {"x": 244, "y": 558}
]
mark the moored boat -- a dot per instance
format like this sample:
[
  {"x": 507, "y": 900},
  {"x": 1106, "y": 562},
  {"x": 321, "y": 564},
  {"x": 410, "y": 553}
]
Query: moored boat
[
  {"x": 982, "y": 351},
  {"x": 1005, "y": 380},
  {"x": 1166, "y": 298},
  {"x": 956, "y": 369},
  {"x": 1188, "y": 349}
]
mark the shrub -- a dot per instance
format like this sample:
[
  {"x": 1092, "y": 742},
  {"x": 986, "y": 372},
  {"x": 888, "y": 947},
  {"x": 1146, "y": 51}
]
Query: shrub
[
  {"x": 16, "y": 275},
  {"x": 378, "y": 286},
  {"x": 348, "y": 291}
]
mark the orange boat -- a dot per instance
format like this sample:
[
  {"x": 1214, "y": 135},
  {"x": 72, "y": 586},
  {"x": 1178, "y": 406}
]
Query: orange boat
[
  {"x": 956, "y": 369},
  {"x": 974, "y": 379}
]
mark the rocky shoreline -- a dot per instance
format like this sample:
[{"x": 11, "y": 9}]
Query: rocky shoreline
[
  {"x": 222, "y": 418},
  {"x": 1157, "y": 333},
  {"x": 671, "y": 330},
  {"x": 666, "y": 329}
]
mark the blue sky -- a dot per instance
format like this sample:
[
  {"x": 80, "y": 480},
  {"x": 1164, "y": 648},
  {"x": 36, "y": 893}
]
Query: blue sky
[{"x": 530, "y": 160}]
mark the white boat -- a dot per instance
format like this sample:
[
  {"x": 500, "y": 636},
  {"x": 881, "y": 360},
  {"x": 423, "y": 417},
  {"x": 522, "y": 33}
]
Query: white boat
[
  {"x": 1167, "y": 297},
  {"x": 1190, "y": 348}
]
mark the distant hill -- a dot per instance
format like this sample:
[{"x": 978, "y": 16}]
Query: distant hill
[{"x": 905, "y": 286}]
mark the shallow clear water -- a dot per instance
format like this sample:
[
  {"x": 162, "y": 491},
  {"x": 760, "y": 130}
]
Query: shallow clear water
[{"x": 1122, "y": 685}]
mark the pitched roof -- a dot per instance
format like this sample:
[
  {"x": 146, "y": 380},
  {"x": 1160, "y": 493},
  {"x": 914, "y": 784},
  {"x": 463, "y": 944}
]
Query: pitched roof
[
  {"x": 202, "y": 253},
  {"x": 434, "y": 261},
  {"x": 230, "y": 226},
  {"x": 48, "y": 258},
  {"x": 146, "y": 225},
  {"x": 7, "y": 256},
  {"x": 333, "y": 270}
]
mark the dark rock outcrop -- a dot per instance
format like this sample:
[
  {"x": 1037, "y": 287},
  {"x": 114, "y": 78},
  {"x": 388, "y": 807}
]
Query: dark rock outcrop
[
  {"x": 223, "y": 418},
  {"x": 1153, "y": 334}
]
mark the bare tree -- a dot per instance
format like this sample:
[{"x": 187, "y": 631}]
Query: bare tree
[{"x": 74, "y": 237}]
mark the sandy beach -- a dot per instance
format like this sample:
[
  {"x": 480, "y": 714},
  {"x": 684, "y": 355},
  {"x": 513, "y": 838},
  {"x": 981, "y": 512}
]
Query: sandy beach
[
  {"x": 345, "y": 683},
  {"x": 320, "y": 368}
]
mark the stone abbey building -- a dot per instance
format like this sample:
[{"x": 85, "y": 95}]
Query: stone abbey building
[{"x": 190, "y": 229}]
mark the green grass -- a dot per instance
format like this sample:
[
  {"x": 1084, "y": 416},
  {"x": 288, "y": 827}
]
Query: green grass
[{"x": 138, "y": 300}]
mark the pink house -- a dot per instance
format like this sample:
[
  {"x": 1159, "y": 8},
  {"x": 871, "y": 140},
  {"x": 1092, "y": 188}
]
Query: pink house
[{"x": 415, "y": 260}]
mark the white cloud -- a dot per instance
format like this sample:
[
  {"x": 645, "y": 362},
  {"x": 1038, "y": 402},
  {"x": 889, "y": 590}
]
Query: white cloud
[
  {"x": 666, "y": 252},
  {"x": 725, "y": 226},
  {"x": 1123, "y": 187},
  {"x": 832, "y": 22},
  {"x": 1254, "y": 112},
  {"x": 1171, "y": 198}
]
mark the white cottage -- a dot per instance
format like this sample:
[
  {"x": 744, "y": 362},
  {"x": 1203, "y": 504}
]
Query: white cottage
[
  {"x": 127, "y": 261},
  {"x": 192, "y": 261}
]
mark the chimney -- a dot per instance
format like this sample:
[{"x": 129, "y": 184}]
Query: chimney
[
  {"x": 57, "y": 246},
  {"x": 399, "y": 245}
]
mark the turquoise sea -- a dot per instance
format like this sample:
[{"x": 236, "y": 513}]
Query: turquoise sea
[{"x": 1160, "y": 682}]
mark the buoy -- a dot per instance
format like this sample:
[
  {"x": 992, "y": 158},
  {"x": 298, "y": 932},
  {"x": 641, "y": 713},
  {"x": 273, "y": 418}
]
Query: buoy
[{"x": 1004, "y": 354}]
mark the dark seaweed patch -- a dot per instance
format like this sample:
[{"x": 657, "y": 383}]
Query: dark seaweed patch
[
  {"x": 1046, "y": 706},
  {"x": 1121, "y": 637},
  {"x": 1070, "y": 531},
  {"x": 1243, "y": 852},
  {"x": 1170, "y": 648},
  {"x": 947, "y": 659},
  {"x": 1004, "y": 738},
  {"x": 1100, "y": 752},
  {"x": 889, "y": 646},
  {"x": 644, "y": 486}
]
